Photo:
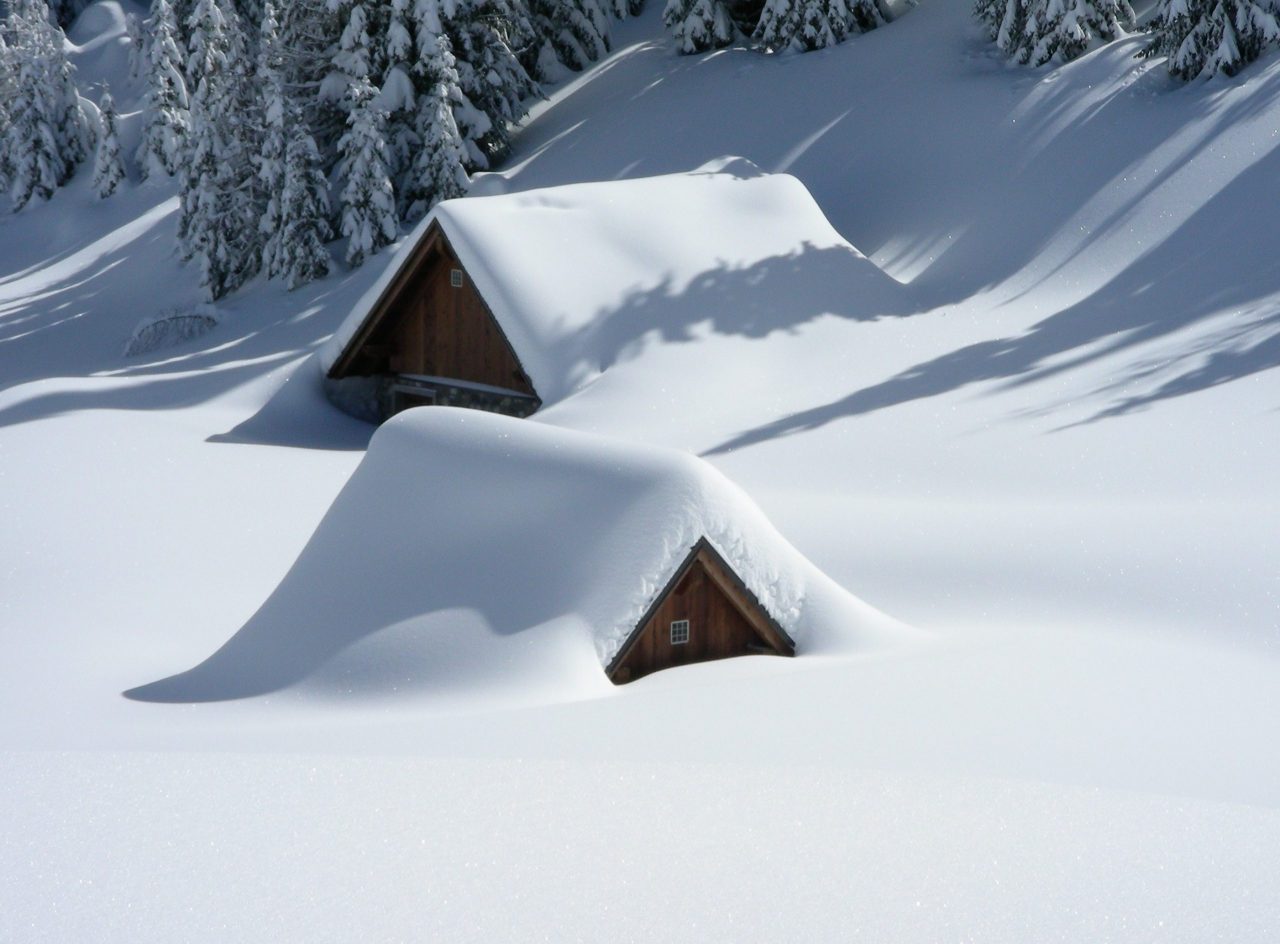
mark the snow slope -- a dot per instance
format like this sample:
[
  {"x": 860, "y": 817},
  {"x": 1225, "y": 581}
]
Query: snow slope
[{"x": 1058, "y": 460}]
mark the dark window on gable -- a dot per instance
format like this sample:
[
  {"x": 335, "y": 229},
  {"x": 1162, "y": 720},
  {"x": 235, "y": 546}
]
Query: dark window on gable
[{"x": 679, "y": 632}]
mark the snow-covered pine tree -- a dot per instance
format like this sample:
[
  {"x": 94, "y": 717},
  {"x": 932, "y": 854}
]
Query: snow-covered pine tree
[
  {"x": 218, "y": 219},
  {"x": 34, "y": 165},
  {"x": 108, "y": 170},
  {"x": 8, "y": 91},
  {"x": 48, "y": 132},
  {"x": 487, "y": 38},
  {"x": 182, "y": 17},
  {"x": 368, "y": 200},
  {"x": 867, "y": 14},
  {"x": 1063, "y": 29},
  {"x": 1004, "y": 21},
  {"x": 1205, "y": 37},
  {"x": 251, "y": 12},
  {"x": 804, "y": 25},
  {"x": 572, "y": 32},
  {"x": 474, "y": 125},
  {"x": 621, "y": 9},
  {"x": 137, "y": 45},
  {"x": 398, "y": 94},
  {"x": 699, "y": 25},
  {"x": 166, "y": 119},
  {"x": 361, "y": 49},
  {"x": 309, "y": 34},
  {"x": 270, "y": 157},
  {"x": 304, "y": 208},
  {"x": 438, "y": 171}
]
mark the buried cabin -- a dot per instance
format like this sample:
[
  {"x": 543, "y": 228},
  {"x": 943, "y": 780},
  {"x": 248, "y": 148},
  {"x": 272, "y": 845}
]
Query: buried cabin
[
  {"x": 704, "y": 612},
  {"x": 431, "y": 339},
  {"x": 505, "y": 302}
]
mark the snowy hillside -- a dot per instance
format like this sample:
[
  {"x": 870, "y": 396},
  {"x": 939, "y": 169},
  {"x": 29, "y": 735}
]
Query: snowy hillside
[{"x": 1054, "y": 459}]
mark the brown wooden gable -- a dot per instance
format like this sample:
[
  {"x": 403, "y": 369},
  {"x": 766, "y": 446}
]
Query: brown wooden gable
[
  {"x": 425, "y": 324},
  {"x": 725, "y": 620}
]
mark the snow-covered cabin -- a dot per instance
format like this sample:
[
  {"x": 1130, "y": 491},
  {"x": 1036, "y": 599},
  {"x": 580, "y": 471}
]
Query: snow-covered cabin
[
  {"x": 509, "y": 301},
  {"x": 703, "y": 612},
  {"x": 474, "y": 551}
]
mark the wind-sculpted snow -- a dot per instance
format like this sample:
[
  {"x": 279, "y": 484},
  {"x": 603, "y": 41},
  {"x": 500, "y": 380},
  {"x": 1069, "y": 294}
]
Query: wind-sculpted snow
[
  {"x": 1062, "y": 464},
  {"x": 542, "y": 548}
]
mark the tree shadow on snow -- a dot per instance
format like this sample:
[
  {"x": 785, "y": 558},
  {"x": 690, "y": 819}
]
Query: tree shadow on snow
[
  {"x": 69, "y": 316},
  {"x": 1203, "y": 270},
  {"x": 780, "y": 293}
]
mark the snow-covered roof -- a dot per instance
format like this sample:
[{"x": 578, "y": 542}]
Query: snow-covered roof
[
  {"x": 554, "y": 541},
  {"x": 560, "y": 266}
]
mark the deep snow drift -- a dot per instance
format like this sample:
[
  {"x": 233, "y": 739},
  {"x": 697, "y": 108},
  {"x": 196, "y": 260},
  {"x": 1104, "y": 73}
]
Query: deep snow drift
[
  {"x": 1060, "y": 462},
  {"x": 554, "y": 542}
]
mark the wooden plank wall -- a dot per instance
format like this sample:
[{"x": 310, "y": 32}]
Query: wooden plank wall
[
  {"x": 442, "y": 331},
  {"x": 717, "y": 629}
]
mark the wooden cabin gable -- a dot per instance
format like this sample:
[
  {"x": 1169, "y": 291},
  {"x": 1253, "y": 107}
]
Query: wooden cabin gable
[
  {"x": 704, "y": 613},
  {"x": 432, "y": 322}
]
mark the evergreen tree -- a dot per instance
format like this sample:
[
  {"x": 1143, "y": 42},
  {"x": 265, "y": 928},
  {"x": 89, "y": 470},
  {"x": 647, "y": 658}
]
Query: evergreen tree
[
  {"x": 35, "y": 167},
  {"x": 800, "y": 25},
  {"x": 8, "y": 92},
  {"x": 1205, "y": 37},
  {"x": 309, "y": 33},
  {"x": 304, "y": 208},
  {"x": 621, "y": 9},
  {"x": 474, "y": 125},
  {"x": 166, "y": 119},
  {"x": 804, "y": 25},
  {"x": 699, "y": 25},
  {"x": 438, "y": 171},
  {"x": 398, "y": 95},
  {"x": 486, "y": 37},
  {"x": 71, "y": 123},
  {"x": 1004, "y": 20},
  {"x": 574, "y": 32},
  {"x": 250, "y": 11},
  {"x": 867, "y": 14},
  {"x": 368, "y": 200},
  {"x": 137, "y": 45},
  {"x": 358, "y": 54},
  {"x": 48, "y": 132},
  {"x": 270, "y": 158},
  {"x": 1063, "y": 29},
  {"x": 218, "y": 220},
  {"x": 108, "y": 170}
]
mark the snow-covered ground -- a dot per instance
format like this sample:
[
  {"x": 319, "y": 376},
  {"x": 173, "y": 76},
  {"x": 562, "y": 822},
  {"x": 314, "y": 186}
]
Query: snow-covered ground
[{"x": 1056, "y": 461}]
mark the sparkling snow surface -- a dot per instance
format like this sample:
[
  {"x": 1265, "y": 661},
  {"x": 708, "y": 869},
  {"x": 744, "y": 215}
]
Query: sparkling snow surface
[{"x": 1057, "y": 460}]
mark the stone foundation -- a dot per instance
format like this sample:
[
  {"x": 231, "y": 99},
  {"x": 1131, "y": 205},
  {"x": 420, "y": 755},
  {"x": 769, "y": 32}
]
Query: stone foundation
[{"x": 375, "y": 399}]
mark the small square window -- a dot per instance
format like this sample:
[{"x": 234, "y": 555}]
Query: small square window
[
  {"x": 455, "y": 278},
  {"x": 679, "y": 632}
]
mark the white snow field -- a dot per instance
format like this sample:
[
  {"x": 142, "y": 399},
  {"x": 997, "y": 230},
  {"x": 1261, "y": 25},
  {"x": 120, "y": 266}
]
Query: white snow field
[{"x": 1054, "y": 461}]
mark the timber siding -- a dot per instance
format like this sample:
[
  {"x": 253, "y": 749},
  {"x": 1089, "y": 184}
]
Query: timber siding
[
  {"x": 725, "y": 620},
  {"x": 432, "y": 322}
]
